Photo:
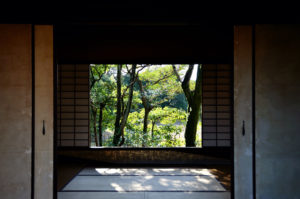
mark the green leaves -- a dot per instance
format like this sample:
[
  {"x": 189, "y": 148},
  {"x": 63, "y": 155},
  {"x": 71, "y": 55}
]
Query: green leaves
[
  {"x": 166, "y": 127},
  {"x": 162, "y": 95},
  {"x": 160, "y": 83}
]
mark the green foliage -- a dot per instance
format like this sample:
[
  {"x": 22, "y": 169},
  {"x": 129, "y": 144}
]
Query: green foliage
[
  {"x": 165, "y": 126},
  {"x": 160, "y": 83},
  {"x": 167, "y": 118},
  {"x": 101, "y": 90}
]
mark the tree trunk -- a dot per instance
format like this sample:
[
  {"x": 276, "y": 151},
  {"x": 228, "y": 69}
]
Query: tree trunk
[
  {"x": 129, "y": 102},
  {"x": 122, "y": 108},
  {"x": 145, "y": 127},
  {"x": 147, "y": 107},
  {"x": 95, "y": 126},
  {"x": 152, "y": 129},
  {"x": 100, "y": 122},
  {"x": 120, "y": 131},
  {"x": 193, "y": 119},
  {"x": 117, "y": 133},
  {"x": 191, "y": 127},
  {"x": 194, "y": 102}
]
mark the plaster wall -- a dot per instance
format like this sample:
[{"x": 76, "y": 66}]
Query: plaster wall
[
  {"x": 277, "y": 49},
  {"x": 43, "y": 111},
  {"x": 243, "y": 179},
  {"x": 15, "y": 111}
]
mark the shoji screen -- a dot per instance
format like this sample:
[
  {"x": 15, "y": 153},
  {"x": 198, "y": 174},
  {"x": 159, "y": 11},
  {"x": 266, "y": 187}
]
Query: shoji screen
[
  {"x": 217, "y": 105},
  {"x": 73, "y": 105}
]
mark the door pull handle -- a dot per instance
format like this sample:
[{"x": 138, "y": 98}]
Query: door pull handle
[
  {"x": 44, "y": 130},
  {"x": 243, "y": 130}
]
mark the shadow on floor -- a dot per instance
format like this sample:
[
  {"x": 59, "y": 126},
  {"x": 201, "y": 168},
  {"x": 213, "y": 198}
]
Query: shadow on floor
[{"x": 68, "y": 168}]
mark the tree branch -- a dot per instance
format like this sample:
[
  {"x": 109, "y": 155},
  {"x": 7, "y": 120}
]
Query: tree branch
[
  {"x": 129, "y": 102},
  {"x": 143, "y": 96},
  {"x": 198, "y": 90},
  {"x": 163, "y": 78},
  {"x": 100, "y": 76},
  {"x": 176, "y": 73},
  {"x": 185, "y": 84},
  {"x": 142, "y": 67}
]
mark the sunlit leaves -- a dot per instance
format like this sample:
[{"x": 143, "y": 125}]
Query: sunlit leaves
[
  {"x": 168, "y": 115},
  {"x": 165, "y": 126}
]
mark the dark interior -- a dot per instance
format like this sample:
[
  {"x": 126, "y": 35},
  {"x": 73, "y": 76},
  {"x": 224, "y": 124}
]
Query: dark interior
[
  {"x": 144, "y": 44},
  {"x": 143, "y": 36}
]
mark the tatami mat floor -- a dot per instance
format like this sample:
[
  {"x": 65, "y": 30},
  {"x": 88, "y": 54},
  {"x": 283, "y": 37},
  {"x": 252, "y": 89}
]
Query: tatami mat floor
[{"x": 144, "y": 183}]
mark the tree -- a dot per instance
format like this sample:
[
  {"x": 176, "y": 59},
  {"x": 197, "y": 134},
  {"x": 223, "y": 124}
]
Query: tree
[
  {"x": 171, "y": 122},
  {"x": 100, "y": 96},
  {"x": 117, "y": 133},
  {"x": 120, "y": 123},
  {"x": 194, "y": 101},
  {"x": 166, "y": 126},
  {"x": 144, "y": 105},
  {"x": 156, "y": 86}
]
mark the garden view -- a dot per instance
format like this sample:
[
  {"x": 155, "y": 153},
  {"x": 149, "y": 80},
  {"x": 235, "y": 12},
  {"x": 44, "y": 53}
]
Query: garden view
[{"x": 144, "y": 105}]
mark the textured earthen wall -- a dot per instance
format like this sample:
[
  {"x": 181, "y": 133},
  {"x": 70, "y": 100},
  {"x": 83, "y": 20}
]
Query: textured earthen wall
[
  {"x": 243, "y": 112},
  {"x": 15, "y": 111},
  {"x": 44, "y": 111},
  {"x": 277, "y": 111}
]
